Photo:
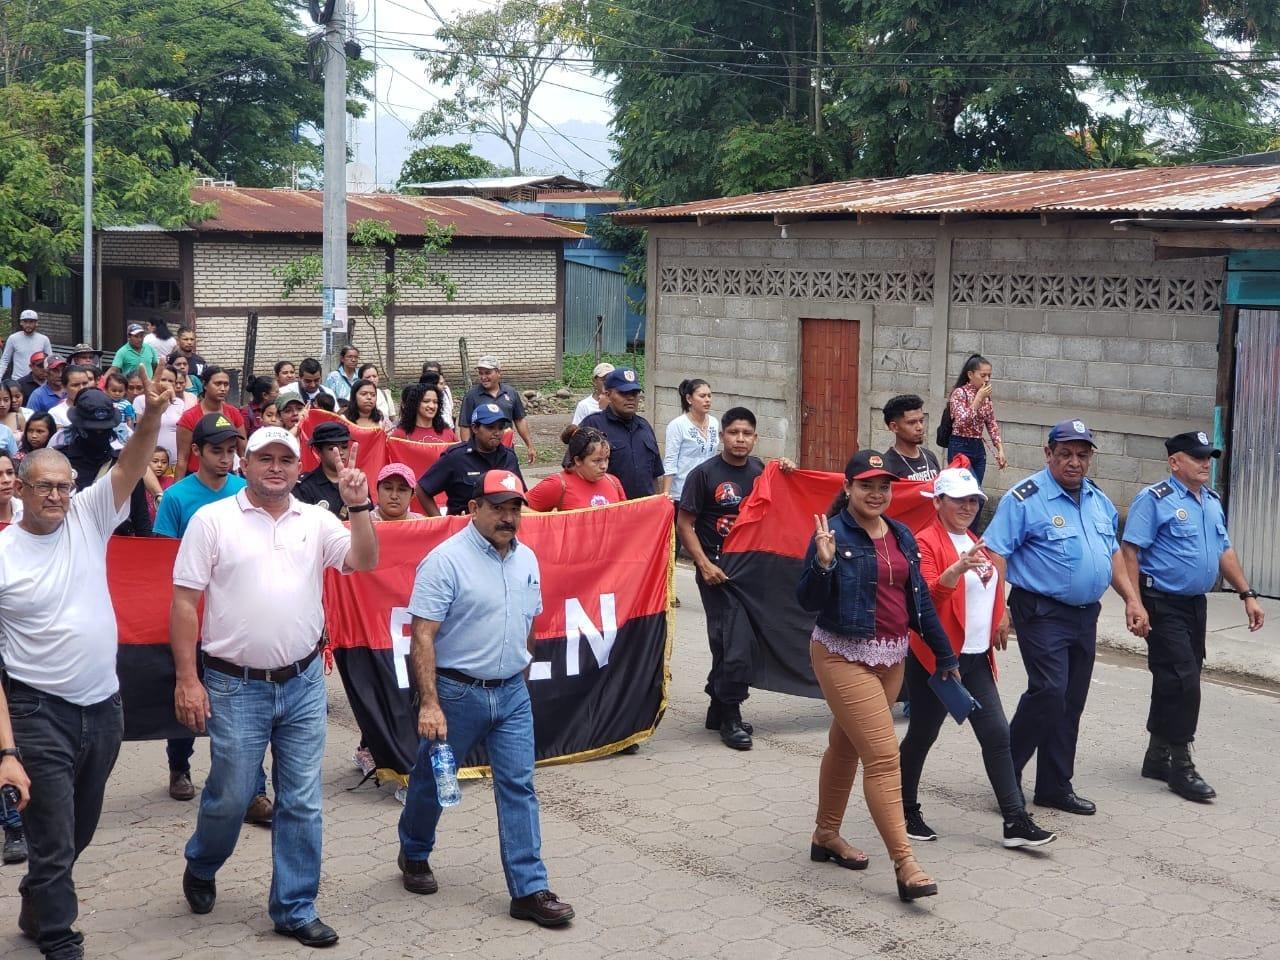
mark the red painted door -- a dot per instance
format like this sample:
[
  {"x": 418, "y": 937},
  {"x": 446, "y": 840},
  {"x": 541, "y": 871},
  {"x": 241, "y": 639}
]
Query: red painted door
[{"x": 828, "y": 393}]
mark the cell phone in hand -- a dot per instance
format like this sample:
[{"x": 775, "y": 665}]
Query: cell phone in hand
[{"x": 9, "y": 800}]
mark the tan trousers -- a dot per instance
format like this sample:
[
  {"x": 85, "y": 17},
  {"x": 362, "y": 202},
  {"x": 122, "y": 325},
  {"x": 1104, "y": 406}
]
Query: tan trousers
[{"x": 861, "y": 728}]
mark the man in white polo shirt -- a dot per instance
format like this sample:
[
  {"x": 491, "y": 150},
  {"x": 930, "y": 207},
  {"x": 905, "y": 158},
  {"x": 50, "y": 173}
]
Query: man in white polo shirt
[
  {"x": 263, "y": 675},
  {"x": 58, "y": 638}
]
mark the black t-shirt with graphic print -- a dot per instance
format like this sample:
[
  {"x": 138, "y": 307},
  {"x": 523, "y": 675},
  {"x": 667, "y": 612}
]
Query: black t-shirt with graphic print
[{"x": 713, "y": 493}]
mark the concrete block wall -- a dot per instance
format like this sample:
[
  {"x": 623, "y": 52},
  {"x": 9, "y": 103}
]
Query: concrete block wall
[
  {"x": 525, "y": 344},
  {"x": 492, "y": 275},
  {"x": 222, "y": 340},
  {"x": 57, "y": 327}
]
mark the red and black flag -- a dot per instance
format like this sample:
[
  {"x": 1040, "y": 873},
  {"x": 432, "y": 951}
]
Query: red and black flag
[
  {"x": 767, "y": 631},
  {"x": 601, "y": 645}
]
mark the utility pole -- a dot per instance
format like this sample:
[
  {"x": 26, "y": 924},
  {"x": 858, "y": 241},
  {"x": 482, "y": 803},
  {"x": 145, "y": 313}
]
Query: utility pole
[
  {"x": 335, "y": 180},
  {"x": 86, "y": 312}
]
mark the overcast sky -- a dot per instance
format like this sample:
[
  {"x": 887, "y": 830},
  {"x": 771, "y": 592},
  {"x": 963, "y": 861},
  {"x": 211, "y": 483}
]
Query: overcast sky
[{"x": 571, "y": 136}]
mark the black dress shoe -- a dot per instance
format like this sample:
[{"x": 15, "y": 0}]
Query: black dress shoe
[
  {"x": 1069, "y": 803},
  {"x": 734, "y": 734},
  {"x": 714, "y": 716},
  {"x": 1188, "y": 784},
  {"x": 416, "y": 876},
  {"x": 200, "y": 894},
  {"x": 313, "y": 934},
  {"x": 544, "y": 908}
]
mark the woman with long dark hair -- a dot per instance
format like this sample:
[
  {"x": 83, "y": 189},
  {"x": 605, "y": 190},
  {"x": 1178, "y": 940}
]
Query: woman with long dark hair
[
  {"x": 422, "y": 415},
  {"x": 971, "y": 413},
  {"x": 369, "y": 371},
  {"x": 362, "y": 405},
  {"x": 862, "y": 577},
  {"x": 433, "y": 372},
  {"x": 692, "y": 438},
  {"x": 161, "y": 338},
  {"x": 262, "y": 394},
  {"x": 36, "y": 434}
]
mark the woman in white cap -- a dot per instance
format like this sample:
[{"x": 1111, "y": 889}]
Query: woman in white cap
[
  {"x": 967, "y": 586},
  {"x": 595, "y": 402}
]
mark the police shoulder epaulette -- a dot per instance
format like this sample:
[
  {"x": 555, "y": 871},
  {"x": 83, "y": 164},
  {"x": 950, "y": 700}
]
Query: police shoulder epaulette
[
  {"x": 1213, "y": 493},
  {"x": 1162, "y": 490},
  {"x": 1024, "y": 490}
]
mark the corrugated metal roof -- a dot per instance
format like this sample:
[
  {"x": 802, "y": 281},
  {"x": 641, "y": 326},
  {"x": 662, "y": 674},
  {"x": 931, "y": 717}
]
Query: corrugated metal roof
[
  {"x": 256, "y": 210},
  {"x": 1190, "y": 189}
]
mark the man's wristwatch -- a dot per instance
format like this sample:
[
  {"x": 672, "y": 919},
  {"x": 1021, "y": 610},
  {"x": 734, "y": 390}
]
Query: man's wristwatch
[
  {"x": 11, "y": 752},
  {"x": 1248, "y": 594},
  {"x": 361, "y": 507}
]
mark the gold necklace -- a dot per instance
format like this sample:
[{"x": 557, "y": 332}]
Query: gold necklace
[{"x": 887, "y": 561}]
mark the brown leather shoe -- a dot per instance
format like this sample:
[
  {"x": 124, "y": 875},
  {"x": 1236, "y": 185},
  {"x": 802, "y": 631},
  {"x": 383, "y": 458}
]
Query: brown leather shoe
[
  {"x": 416, "y": 875},
  {"x": 260, "y": 811},
  {"x": 544, "y": 908},
  {"x": 180, "y": 785}
]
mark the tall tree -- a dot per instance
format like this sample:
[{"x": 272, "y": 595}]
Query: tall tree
[
  {"x": 494, "y": 61},
  {"x": 441, "y": 162}
]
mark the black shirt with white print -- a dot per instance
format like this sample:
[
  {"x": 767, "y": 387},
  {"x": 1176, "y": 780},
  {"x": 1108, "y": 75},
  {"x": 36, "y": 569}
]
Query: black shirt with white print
[{"x": 923, "y": 467}]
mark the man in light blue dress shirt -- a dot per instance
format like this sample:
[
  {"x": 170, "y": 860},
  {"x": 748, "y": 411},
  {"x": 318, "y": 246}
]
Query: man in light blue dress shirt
[{"x": 474, "y": 600}]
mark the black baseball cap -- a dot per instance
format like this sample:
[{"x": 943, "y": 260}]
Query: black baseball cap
[
  {"x": 94, "y": 410},
  {"x": 865, "y": 465},
  {"x": 331, "y": 431},
  {"x": 213, "y": 428},
  {"x": 1194, "y": 443}
]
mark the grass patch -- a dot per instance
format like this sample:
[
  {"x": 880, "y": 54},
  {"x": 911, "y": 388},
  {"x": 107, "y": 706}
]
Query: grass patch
[{"x": 577, "y": 369}]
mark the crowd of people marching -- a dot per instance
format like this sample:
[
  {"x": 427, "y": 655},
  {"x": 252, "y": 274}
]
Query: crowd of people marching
[{"x": 149, "y": 444}]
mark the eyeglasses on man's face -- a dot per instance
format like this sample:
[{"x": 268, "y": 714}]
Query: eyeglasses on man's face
[{"x": 47, "y": 488}]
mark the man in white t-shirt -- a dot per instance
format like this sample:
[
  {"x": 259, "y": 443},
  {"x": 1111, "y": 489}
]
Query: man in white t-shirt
[
  {"x": 594, "y": 403},
  {"x": 58, "y": 634},
  {"x": 263, "y": 674},
  {"x": 16, "y": 360}
]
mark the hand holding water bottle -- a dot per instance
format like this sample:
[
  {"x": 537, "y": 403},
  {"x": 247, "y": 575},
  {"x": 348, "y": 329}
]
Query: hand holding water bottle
[{"x": 445, "y": 768}]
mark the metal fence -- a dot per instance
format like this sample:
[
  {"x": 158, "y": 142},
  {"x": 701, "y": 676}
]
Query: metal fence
[
  {"x": 591, "y": 293},
  {"x": 1255, "y": 449}
]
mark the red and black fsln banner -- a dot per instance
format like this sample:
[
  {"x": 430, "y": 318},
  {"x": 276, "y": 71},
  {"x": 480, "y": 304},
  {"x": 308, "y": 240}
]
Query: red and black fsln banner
[
  {"x": 599, "y": 675},
  {"x": 767, "y": 633}
]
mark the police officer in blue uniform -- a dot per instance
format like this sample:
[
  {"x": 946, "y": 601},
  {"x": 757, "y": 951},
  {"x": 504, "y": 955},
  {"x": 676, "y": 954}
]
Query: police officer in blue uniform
[
  {"x": 456, "y": 472},
  {"x": 1175, "y": 547},
  {"x": 1057, "y": 533},
  {"x": 633, "y": 449}
]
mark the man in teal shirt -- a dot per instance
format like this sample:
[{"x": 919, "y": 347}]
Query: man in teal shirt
[
  {"x": 134, "y": 354},
  {"x": 215, "y": 439}
]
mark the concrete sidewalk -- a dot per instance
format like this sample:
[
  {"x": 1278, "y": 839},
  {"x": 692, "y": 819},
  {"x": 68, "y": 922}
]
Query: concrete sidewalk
[{"x": 1231, "y": 647}]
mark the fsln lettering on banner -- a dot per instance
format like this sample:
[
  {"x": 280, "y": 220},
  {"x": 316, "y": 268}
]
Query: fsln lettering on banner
[
  {"x": 401, "y": 635},
  {"x": 578, "y": 624}
]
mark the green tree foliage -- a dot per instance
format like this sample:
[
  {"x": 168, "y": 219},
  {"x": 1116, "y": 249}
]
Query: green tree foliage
[
  {"x": 181, "y": 89},
  {"x": 728, "y": 96},
  {"x": 373, "y": 287},
  {"x": 494, "y": 61},
  {"x": 440, "y": 162}
]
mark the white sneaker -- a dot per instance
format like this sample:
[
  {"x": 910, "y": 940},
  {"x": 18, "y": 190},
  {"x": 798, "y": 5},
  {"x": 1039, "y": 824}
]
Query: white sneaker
[
  {"x": 402, "y": 794},
  {"x": 363, "y": 761}
]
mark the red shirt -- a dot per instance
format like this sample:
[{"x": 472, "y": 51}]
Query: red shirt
[
  {"x": 427, "y": 435},
  {"x": 892, "y": 619},
  {"x": 568, "y": 491},
  {"x": 191, "y": 418}
]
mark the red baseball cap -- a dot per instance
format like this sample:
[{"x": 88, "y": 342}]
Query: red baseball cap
[
  {"x": 866, "y": 464},
  {"x": 38, "y": 357},
  {"x": 499, "y": 486},
  {"x": 401, "y": 470}
]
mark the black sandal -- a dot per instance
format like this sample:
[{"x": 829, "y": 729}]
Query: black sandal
[
  {"x": 821, "y": 854},
  {"x": 908, "y": 893}
]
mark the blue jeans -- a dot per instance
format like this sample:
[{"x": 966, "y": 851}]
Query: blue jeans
[
  {"x": 975, "y": 450},
  {"x": 68, "y": 752},
  {"x": 501, "y": 718},
  {"x": 247, "y": 715},
  {"x": 179, "y": 751}
]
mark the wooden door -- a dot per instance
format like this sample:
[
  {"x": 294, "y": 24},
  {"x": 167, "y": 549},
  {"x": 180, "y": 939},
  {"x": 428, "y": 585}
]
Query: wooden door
[{"x": 828, "y": 393}]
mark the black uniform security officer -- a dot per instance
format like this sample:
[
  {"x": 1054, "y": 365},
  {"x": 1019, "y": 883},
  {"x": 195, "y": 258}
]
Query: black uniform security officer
[
  {"x": 332, "y": 443},
  {"x": 456, "y": 472},
  {"x": 1175, "y": 546}
]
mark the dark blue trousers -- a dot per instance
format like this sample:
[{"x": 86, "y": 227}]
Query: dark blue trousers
[{"x": 1057, "y": 642}]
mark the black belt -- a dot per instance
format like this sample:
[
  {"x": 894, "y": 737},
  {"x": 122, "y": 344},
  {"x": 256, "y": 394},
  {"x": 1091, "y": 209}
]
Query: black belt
[
  {"x": 469, "y": 680},
  {"x": 1148, "y": 585},
  {"x": 274, "y": 675}
]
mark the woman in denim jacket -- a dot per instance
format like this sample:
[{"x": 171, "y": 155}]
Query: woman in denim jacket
[{"x": 862, "y": 577}]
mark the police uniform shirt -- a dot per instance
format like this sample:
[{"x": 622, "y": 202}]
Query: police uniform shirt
[
  {"x": 317, "y": 488},
  {"x": 633, "y": 451},
  {"x": 456, "y": 472},
  {"x": 1180, "y": 539},
  {"x": 1054, "y": 546},
  {"x": 508, "y": 400}
]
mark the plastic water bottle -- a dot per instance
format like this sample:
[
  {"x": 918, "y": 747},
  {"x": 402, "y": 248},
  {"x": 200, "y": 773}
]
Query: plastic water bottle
[{"x": 445, "y": 768}]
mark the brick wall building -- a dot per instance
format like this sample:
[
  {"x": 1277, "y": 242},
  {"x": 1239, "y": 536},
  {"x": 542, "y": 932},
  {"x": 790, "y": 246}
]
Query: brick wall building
[
  {"x": 901, "y": 280},
  {"x": 508, "y": 268}
]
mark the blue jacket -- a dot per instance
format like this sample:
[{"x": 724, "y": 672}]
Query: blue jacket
[{"x": 845, "y": 597}]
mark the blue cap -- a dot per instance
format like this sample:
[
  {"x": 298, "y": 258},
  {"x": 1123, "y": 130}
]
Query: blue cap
[
  {"x": 1071, "y": 430},
  {"x": 624, "y": 380},
  {"x": 488, "y": 413}
]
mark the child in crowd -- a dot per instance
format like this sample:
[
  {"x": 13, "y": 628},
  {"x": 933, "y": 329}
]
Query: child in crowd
[
  {"x": 164, "y": 478},
  {"x": 117, "y": 389},
  {"x": 37, "y": 433},
  {"x": 270, "y": 415}
]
